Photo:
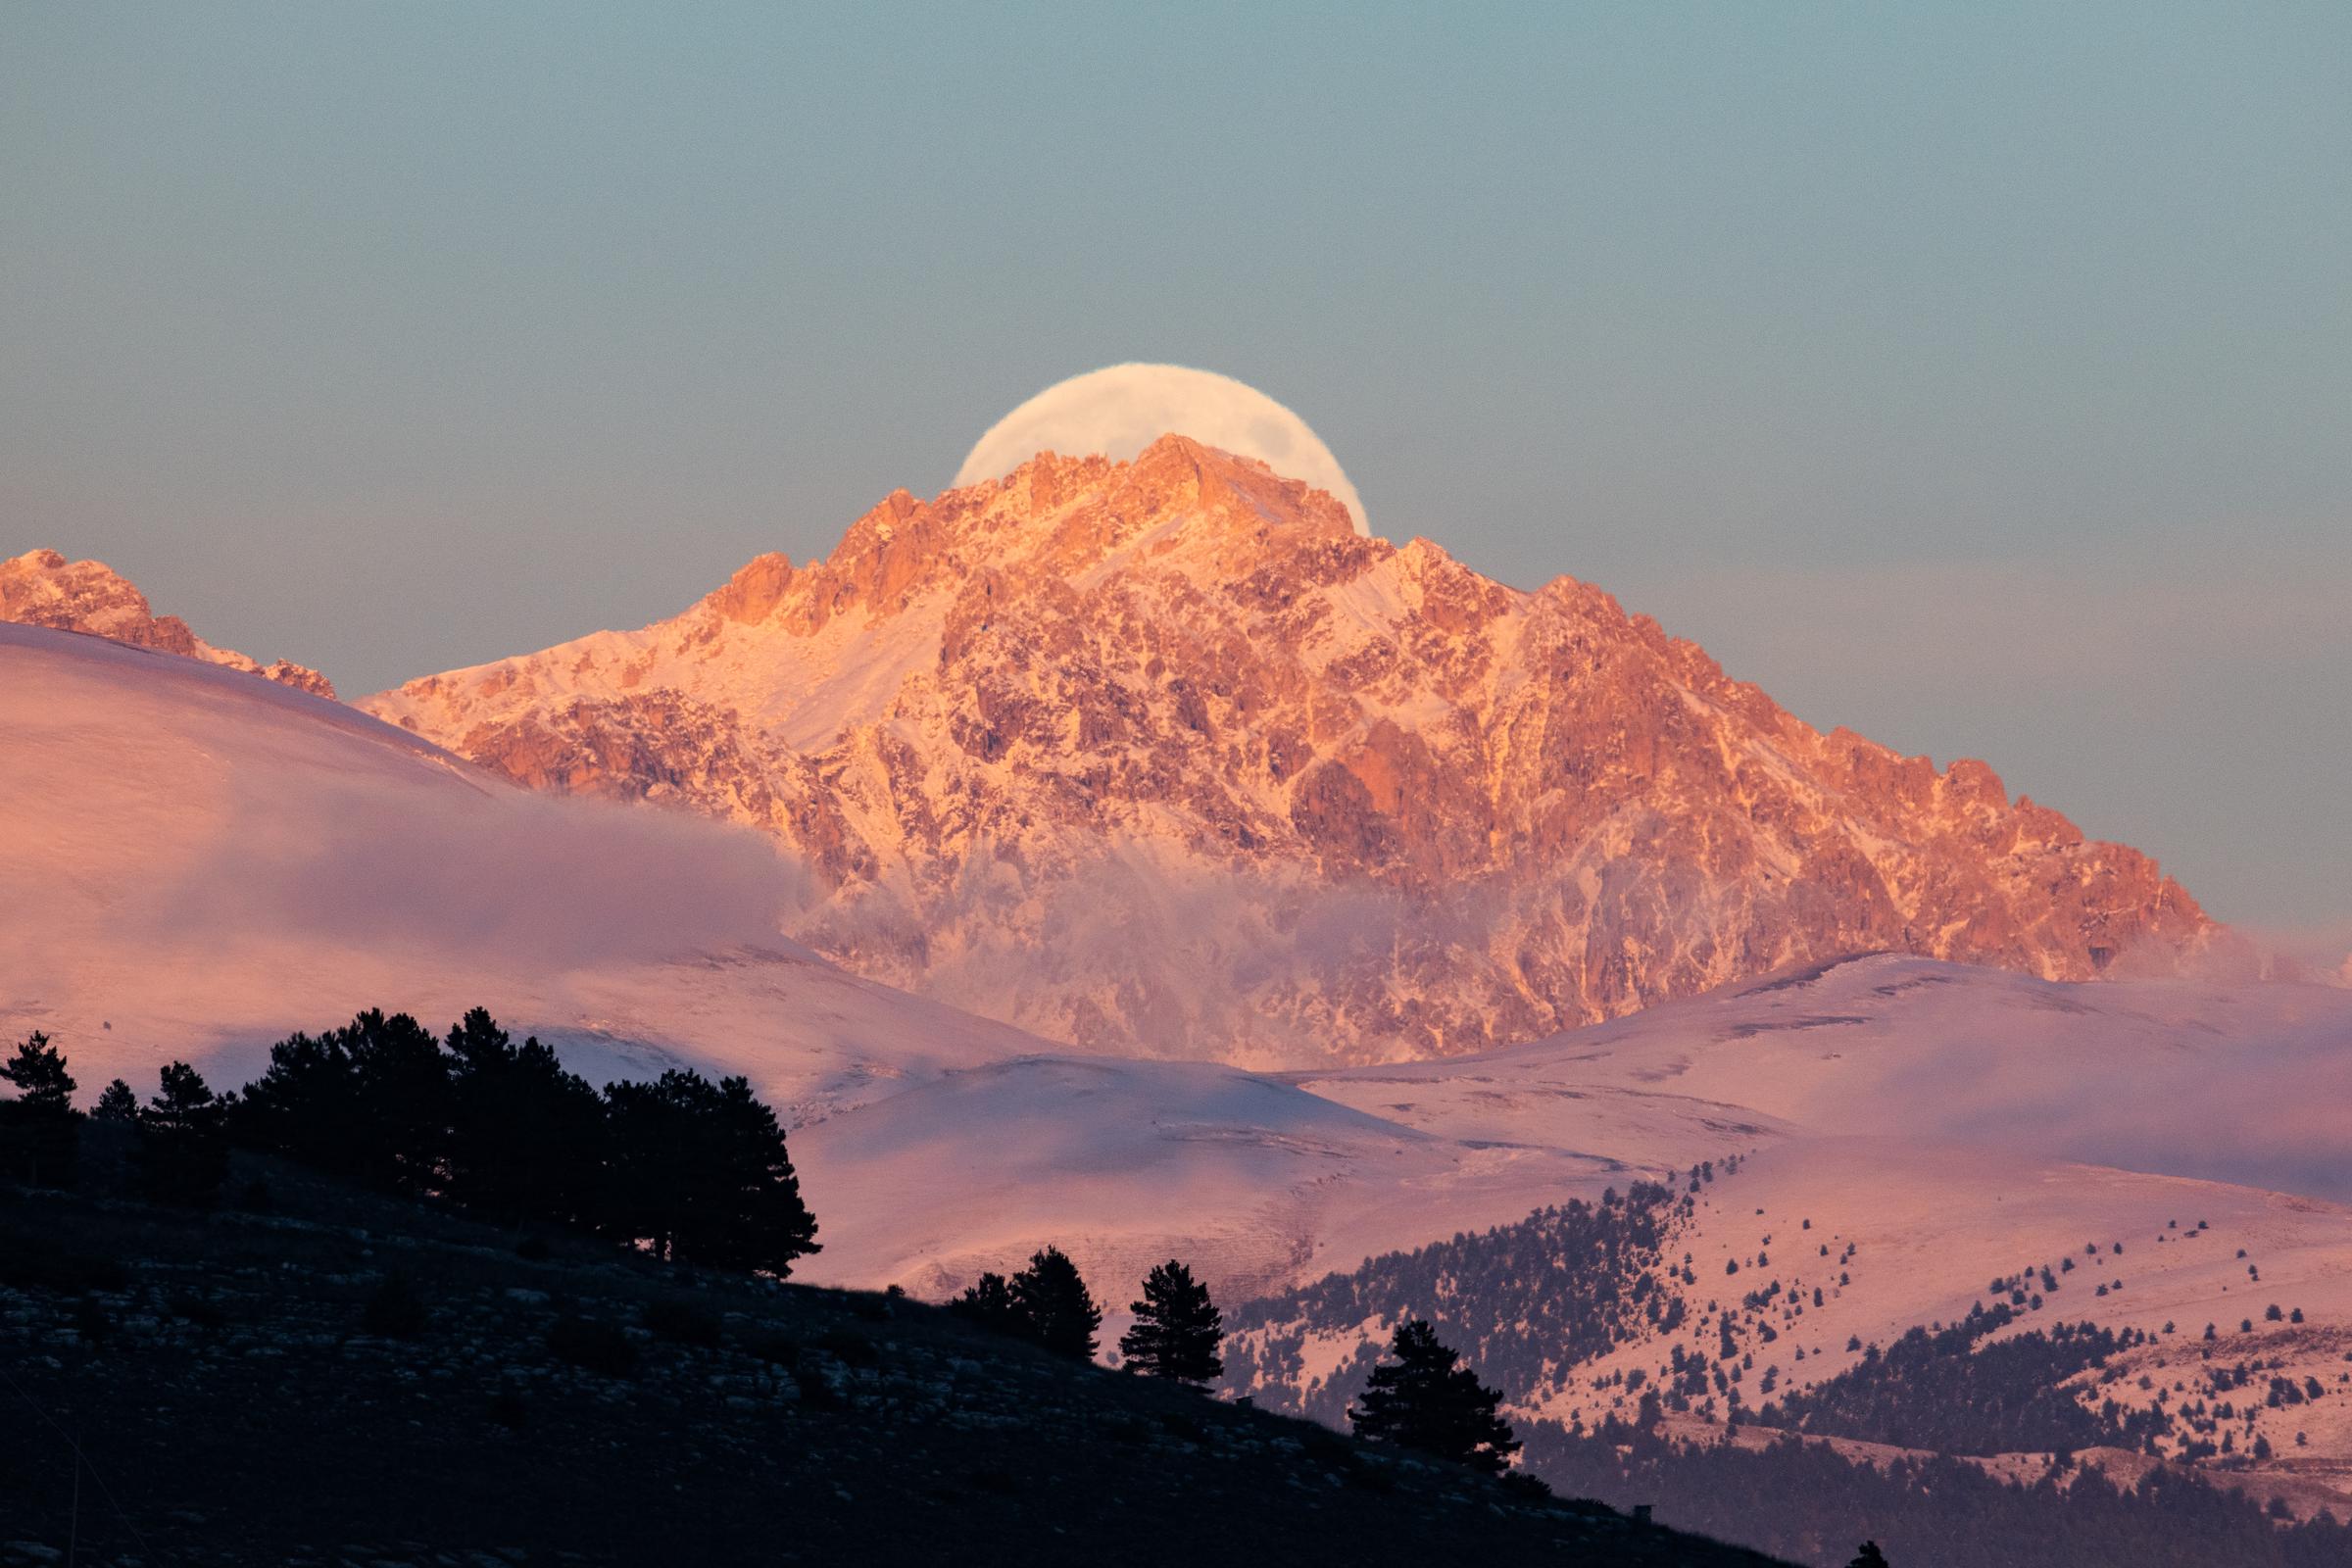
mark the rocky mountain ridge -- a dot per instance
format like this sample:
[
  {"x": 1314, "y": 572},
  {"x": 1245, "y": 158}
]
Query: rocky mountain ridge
[
  {"x": 1162, "y": 756},
  {"x": 42, "y": 588}
]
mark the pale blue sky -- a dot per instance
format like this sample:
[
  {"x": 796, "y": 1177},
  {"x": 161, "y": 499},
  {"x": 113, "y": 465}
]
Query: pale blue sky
[{"x": 1976, "y": 376}]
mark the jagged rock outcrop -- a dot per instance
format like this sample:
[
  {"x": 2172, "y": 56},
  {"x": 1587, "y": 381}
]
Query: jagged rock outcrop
[
  {"x": 1162, "y": 755},
  {"x": 42, "y": 588}
]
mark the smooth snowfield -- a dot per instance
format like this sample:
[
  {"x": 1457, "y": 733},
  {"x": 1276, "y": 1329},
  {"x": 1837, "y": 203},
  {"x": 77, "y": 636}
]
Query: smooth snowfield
[
  {"x": 2238, "y": 1081},
  {"x": 1125, "y": 1164}
]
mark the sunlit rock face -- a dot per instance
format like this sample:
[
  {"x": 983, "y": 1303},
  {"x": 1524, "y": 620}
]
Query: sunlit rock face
[
  {"x": 1163, "y": 757},
  {"x": 42, "y": 588}
]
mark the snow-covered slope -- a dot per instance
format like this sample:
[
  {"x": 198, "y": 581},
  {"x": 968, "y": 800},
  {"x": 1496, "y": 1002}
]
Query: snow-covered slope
[
  {"x": 2240, "y": 1080},
  {"x": 1125, "y": 1163},
  {"x": 1916, "y": 1233},
  {"x": 1794, "y": 1266},
  {"x": 1262, "y": 1190}
]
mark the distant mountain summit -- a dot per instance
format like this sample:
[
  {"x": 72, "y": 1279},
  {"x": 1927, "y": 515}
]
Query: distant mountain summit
[
  {"x": 1162, "y": 756},
  {"x": 42, "y": 588}
]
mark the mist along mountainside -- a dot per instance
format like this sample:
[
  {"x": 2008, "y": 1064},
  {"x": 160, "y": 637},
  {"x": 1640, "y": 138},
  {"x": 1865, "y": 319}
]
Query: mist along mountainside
[
  {"x": 320, "y": 1374},
  {"x": 1162, "y": 756}
]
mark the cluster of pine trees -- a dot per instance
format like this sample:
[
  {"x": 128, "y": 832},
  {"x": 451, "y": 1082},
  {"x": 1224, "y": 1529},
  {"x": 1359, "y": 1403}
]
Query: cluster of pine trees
[
  {"x": 1424, "y": 1399},
  {"x": 1177, "y": 1334},
  {"x": 684, "y": 1168},
  {"x": 181, "y": 1147},
  {"x": 679, "y": 1167},
  {"x": 1562, "y": 1286},
  {"x": 1939, "y": 1388}
]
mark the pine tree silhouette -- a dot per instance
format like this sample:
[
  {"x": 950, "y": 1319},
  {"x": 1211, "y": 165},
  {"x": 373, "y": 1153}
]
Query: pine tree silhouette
[
  {"x": 1177, "y": 1328},
  {"x": 989, "y": 1303},
  {"x": 699, "y": 1174},
  {"x": 304, "y": 1104},
  {"x": 1426, "y": 1400},
  {"x": 1869, "y": 1557},
  {"x": 401, "y": 1081},
  {"x": 183, "y": 1139},
  {"x": 370, "y": 1101},
  {"x": 758, "y": 1221},
  {"x": 526, "y": 1138},
  {"x": 40, "y": 1131},
  {"x": 116, "y": 1104},
  {"x": 38, "y": 1071},
  {"x": 654, "y": 1162},
  {"x": 485, "y": 1168},
  {"x": 1055, "y": 1308}
]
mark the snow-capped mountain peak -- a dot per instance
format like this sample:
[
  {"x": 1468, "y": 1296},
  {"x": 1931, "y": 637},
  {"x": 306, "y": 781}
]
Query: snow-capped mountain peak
[{"x": 1161, "y": 755}]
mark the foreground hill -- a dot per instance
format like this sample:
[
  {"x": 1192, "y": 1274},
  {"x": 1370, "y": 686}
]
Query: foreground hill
[
  {"x": 243, "y": 1396},
  {"x": 1162, "y": 756}
]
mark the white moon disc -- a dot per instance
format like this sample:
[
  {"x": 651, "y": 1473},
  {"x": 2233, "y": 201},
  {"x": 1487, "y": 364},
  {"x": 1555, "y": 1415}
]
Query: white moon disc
[{"x": 1121, "y": 410}]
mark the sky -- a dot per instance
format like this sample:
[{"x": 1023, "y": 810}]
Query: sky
[{"x": 1976, "y": 376}]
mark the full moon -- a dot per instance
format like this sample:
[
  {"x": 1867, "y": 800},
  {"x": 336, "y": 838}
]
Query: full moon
[{"x": 1119, "y": 410}]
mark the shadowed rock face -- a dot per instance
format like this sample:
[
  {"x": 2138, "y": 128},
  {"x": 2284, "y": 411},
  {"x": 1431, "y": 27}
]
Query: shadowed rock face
[
  {"x": 1162, "y": 756},
  {"x": 42, "y": 588}
]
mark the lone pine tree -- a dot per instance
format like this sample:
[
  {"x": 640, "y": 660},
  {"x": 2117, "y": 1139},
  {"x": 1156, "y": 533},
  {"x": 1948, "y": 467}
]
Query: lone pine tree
[
  {"x": 183, "y": 1139},
  {"x": 1055, "y": 1308},
  {"x": 116, "y": 1104},
  {"x": 40, "y": 1131},
  {"x": 1177, "y": 1328},
  {"x": 1426, "y": 1400}
]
